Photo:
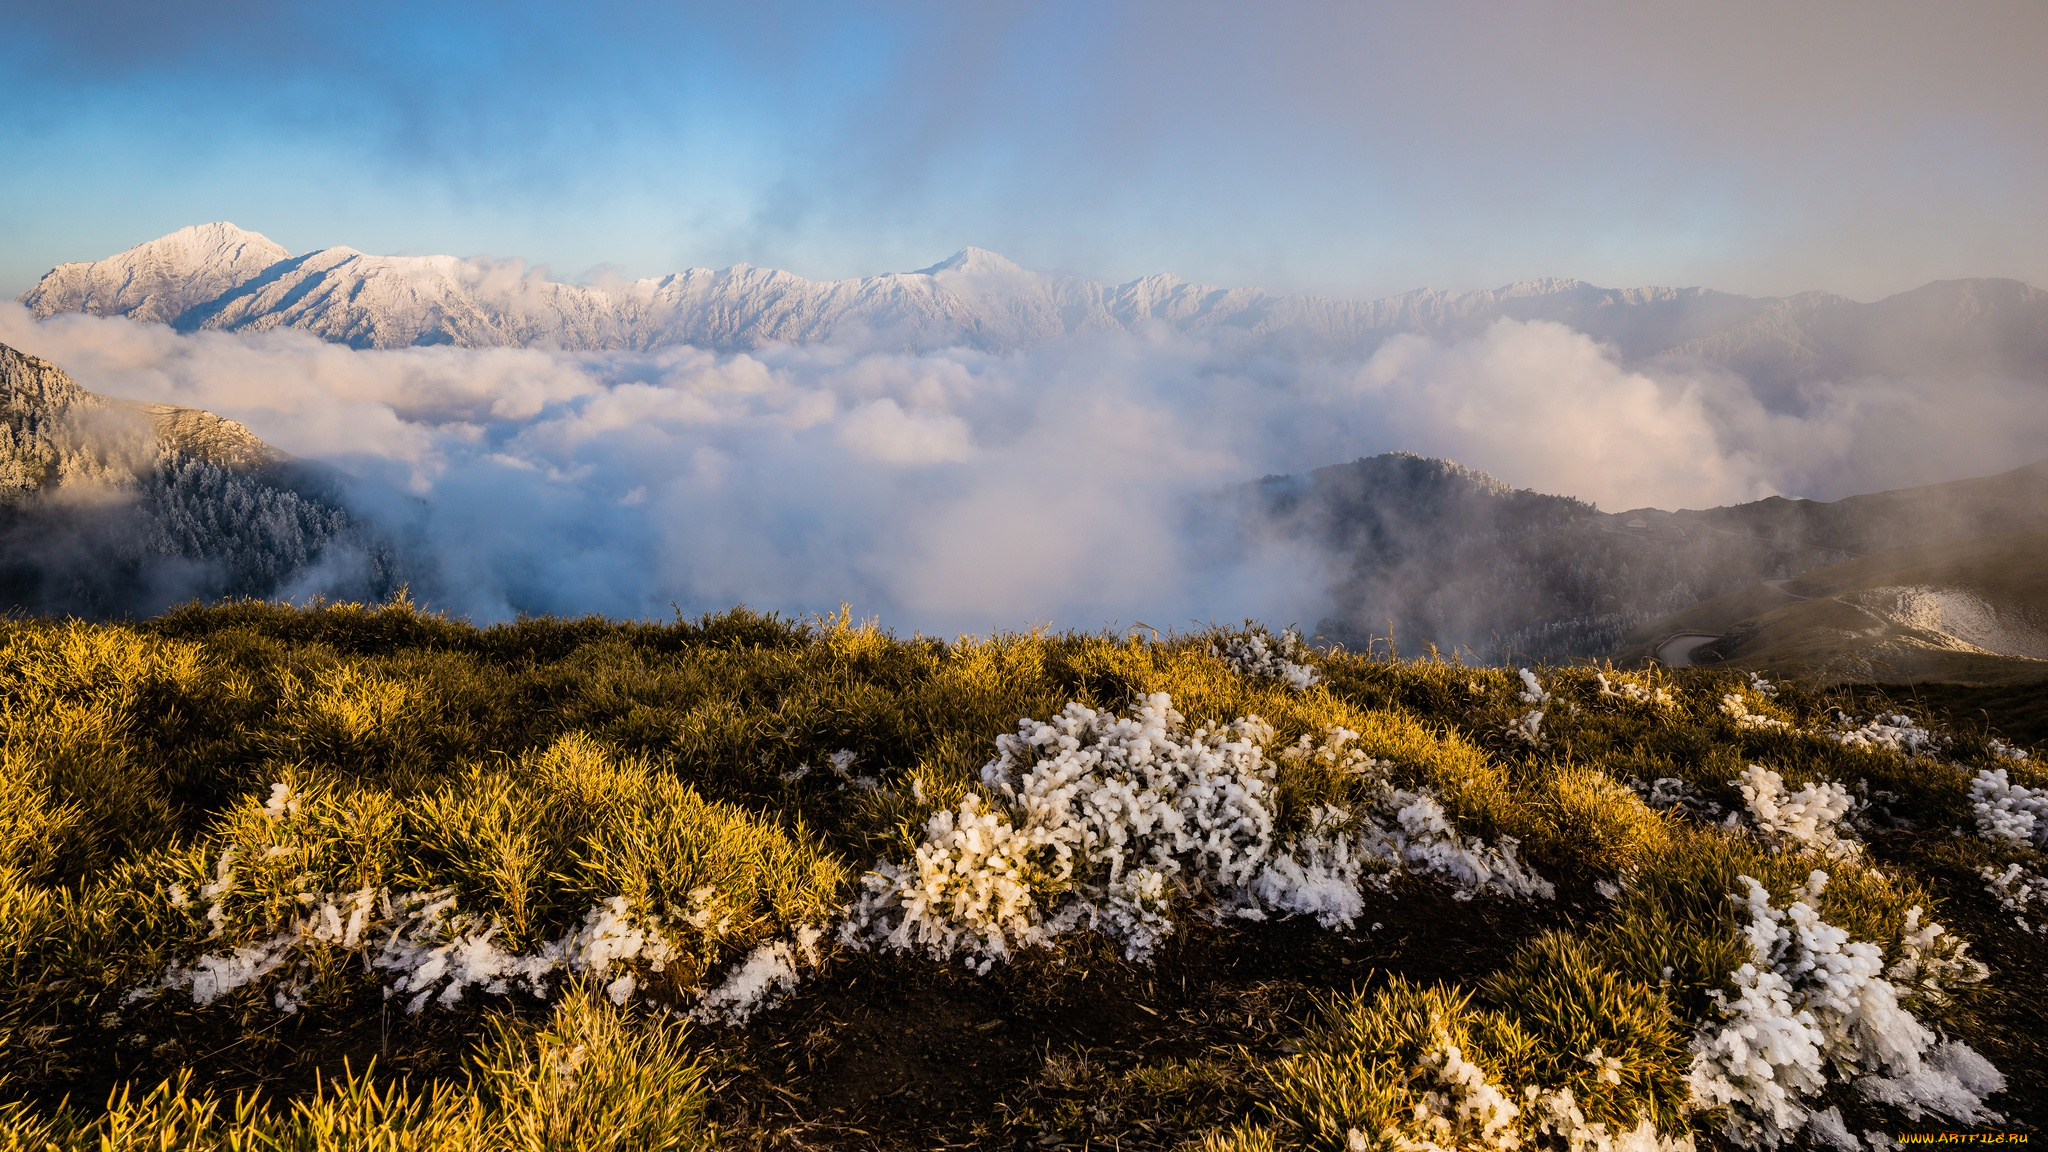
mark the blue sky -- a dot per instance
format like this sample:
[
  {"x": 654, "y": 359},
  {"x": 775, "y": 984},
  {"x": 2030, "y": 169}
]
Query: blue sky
[{"x": 1352, "y": 149}]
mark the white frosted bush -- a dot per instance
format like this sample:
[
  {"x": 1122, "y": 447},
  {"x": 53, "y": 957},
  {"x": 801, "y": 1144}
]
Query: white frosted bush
[
  {"x": 1894, "y": 733},
  {"x": 1529, "y": 727},
  {"x": 1623, "y": 688},
  {"x": 1095, "y": 822},
  {"x": 1813, "y": 1005},
  {"x": 2017, "y": 889},
  {"x": 1809, "y": 819},
  {"x": 1420, "y": 837},
  {"x": 1259, "y": 654},
  {"x": 1460, "y": 1107},
  {"x": 2004, "y": 751},
  {"x": 1736, "y": 708},
  {"x": 1673, "y": 794},
  {"x": 1532, "y": 688},
  {"x": 428, "y": 949},
  {"x": 2007, "y": 811}
]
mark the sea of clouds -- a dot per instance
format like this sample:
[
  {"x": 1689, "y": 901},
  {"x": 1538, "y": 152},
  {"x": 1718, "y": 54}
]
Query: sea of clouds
[{"x": 964, "y": 491}]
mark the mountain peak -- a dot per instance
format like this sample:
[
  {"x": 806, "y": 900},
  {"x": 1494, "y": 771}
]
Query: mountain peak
[
  {"x": 973, "y": 261},
  {"x": 158, "y": 279}
]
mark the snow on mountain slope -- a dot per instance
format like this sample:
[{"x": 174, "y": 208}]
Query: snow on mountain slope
[
  {"x": 159, "y": 280},
  {"x": 217, "y": 276}
]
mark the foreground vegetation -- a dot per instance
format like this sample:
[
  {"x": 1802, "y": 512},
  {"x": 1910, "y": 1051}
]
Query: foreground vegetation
[{"x": 365, "y": 877}]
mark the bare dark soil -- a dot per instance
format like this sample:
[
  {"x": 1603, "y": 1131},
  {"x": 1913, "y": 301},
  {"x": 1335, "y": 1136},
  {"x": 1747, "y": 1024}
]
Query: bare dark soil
[{"x": 888, "y": 1053}]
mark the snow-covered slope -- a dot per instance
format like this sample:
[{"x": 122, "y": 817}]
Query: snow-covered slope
[{"x": 217, "y": 276}]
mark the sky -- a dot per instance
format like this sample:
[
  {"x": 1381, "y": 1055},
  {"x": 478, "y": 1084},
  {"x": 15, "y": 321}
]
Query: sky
[{"x": 1344, "y": 149}]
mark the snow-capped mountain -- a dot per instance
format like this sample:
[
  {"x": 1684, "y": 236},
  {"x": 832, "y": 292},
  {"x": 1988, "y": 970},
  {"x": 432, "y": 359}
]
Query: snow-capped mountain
[
  {"x": 220, "y": 277},
  {"x": 160, "y": 280}
]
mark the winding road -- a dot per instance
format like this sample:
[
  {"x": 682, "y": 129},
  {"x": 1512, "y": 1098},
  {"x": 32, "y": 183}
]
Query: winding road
[{"x": 1677, "y": 651}]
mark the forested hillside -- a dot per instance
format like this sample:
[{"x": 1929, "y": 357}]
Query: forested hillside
[{"x": 109, "y": 507}]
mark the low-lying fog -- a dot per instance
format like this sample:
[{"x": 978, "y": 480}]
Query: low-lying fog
[{"x": 960, "y": 490}]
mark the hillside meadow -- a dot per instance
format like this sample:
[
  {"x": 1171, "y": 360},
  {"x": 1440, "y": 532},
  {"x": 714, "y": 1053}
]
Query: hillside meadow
[{"x": 366, "y": 877}]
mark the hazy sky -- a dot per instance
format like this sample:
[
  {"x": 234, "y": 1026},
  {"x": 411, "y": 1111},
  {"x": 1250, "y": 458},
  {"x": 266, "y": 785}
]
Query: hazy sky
[{"x": 1351, "y": 149}]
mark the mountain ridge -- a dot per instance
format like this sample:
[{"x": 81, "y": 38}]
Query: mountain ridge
[{"x": 220, "y": 277}]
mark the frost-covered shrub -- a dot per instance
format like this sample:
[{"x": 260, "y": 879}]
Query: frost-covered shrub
[
  {"x": 1809, "y": 819},
  {"x": 1736, "y": 708},
  {"x": 1529, "y": 728},
  {"x": 1894, "y": 733},
  {"x": 427, "y": 949},
  {"x": 2004, "y": 751},
  {"x": 2011, "y": 812},
  {"x": 1258, "y": 654},
  {"x": 2017, "y": 889},
  {"x": 1812, "y": 1005},
  {"x": 1420, "y": 836},
  {"x": 1674, "y": 794},
  {"x": 1625, "y": 688},
  {"x": 1095, "y": 822},
  {"x": 1532, "y": 688}
]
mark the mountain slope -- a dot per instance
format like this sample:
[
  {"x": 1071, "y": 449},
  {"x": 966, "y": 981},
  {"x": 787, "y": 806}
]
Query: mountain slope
[
  {"x": 1972, "y": 611},
  {"x": 1446, "y": 556},
  {"x": 110, "y": 507},
  {"x": 222, "y": 278}
]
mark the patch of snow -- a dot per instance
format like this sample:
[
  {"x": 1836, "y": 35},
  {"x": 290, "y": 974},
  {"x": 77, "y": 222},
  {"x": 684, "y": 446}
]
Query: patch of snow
[{"x": 769, "y": 973}]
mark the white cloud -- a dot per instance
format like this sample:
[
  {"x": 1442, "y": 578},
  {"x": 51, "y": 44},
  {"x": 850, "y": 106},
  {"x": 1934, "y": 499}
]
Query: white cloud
[{"x": 956, "y": 490}]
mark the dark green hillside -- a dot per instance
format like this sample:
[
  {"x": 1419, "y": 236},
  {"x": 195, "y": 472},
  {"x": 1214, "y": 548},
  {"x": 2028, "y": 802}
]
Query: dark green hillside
[{"x": 351, "y": 877}]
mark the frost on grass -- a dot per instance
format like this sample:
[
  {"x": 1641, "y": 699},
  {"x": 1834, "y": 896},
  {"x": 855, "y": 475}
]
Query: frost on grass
[
  {"x": 1096, "y": 822},
  {"x": 2007, "y": 811},
  {"x": 1813, "y": 1006},
  {"x": 2017, "y": 889},
  {"x": 1810, "y": 819},
  {"x": 1259, "y": 654},
  {"x": 426, "y": 949}
]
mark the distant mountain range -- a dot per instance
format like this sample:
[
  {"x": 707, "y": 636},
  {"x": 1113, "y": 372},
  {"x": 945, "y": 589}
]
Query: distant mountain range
[
  {"x": 111, "y": 507},
  {"x": 220, "y": 277}
]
